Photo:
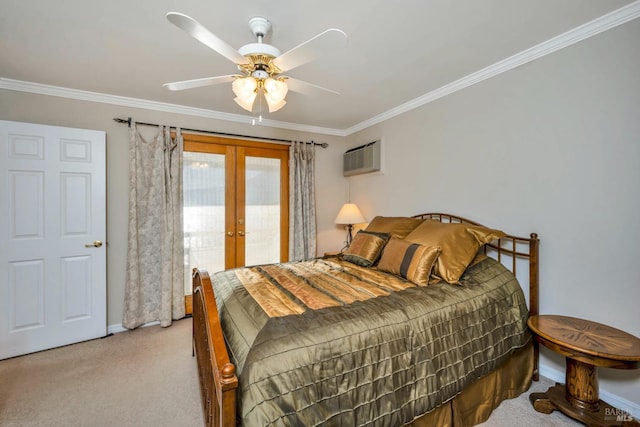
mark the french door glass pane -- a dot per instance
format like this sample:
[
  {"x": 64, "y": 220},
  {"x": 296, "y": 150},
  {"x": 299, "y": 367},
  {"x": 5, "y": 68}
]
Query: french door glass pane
[
  {"x": 204, "y": 212},
  {"x": 262, "y": 210}
]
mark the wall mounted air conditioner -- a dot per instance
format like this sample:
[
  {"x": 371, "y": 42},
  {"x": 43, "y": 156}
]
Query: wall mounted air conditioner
[{"x": 362, "y": 159}]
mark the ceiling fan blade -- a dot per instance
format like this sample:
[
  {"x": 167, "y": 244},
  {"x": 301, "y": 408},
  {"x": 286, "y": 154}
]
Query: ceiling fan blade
[
  {"x": 308, "y": 51},
  {"x": 189, "y": 84},
  {"x": 306, "y": 88},
  {"x": 206, "y": 37}
]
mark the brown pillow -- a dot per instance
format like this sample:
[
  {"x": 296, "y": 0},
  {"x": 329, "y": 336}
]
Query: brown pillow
[
  {"x": 396, "y": 226},
  {"x": 408, "y": 260},
  {"x": 365, "y": 248},
  {"x": 459, "y": 244}
]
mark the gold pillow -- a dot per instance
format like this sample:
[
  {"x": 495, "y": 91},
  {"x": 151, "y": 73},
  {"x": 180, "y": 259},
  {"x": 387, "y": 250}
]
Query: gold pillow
[
  {"x": 365, "y": 248},
  {"x": 408, "y": 260},
  {"x": 459, "y": 244},
  {"x": 396, "y": 226}
]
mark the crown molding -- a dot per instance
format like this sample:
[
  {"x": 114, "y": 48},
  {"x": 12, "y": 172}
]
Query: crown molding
[
  {"x": 611, "y": 20},
  {"x": 590, "y": 29},
  {"x": 83, "y": 95}
]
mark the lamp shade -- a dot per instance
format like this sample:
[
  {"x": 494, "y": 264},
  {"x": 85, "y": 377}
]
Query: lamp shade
[{"x": 350, "y": 214}]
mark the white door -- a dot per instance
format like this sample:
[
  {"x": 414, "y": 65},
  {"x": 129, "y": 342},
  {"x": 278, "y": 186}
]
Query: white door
[{"x": 52, "y": 259}]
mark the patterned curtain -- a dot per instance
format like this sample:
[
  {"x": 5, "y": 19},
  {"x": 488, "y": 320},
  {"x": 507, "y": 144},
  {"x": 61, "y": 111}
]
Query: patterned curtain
[
  {"x": 302, "y": 201},
  {"x": 154, "y": 290}
]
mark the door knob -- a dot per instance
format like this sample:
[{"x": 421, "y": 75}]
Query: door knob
[
  {"x": 241, "y": 233},
  {"x": 95, "y": 244},
  {"x": 230, "y": 233}
]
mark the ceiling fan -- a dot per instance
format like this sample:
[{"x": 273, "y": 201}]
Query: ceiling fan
[{"x": 262, "y": 65}]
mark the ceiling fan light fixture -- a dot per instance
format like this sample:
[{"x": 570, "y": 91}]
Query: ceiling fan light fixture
[{"x": 261, "y": 64}]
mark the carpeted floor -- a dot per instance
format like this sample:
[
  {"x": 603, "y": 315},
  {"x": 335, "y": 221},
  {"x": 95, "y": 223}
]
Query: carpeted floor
[
  {"x": 518, "y": 412},
  {"x": 145, "y": 377}
]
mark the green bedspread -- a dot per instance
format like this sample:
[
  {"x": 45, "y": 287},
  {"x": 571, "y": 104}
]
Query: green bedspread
[{"x": 378, "y": 360}]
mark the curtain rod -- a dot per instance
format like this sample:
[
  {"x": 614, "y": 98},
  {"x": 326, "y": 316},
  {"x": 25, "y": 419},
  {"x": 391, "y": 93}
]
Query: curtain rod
[{"x": 128, "y": 122}]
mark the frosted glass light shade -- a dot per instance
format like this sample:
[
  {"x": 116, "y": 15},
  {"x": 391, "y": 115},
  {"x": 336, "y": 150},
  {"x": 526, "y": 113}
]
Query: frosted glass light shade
[
  {"x": 275, "y": 89},
  {"x": 246, "y": 103},
  {"x": 245, "y": 90},
  {"x": 350, "y": 214},
  {"x": 274, "y": 105},
  {"x": 244, "y": 86},
  {"x": 274, "y": 93}
]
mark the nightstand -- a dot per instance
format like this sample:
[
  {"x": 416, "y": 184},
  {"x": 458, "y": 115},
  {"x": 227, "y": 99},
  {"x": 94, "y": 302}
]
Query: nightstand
[{"x": 585, "y": 345}]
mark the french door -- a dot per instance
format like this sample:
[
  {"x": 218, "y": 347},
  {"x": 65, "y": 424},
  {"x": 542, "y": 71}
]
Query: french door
[{"x": 236, "y": 203}]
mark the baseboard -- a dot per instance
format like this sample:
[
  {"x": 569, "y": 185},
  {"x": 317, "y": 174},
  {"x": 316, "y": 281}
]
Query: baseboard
[
  {"x": 612, "y": 399},
  {"x": 114, "y": 329}
]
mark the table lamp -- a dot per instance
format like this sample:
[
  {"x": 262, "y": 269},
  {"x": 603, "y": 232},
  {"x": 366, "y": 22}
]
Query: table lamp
[{"x": 349, "y": 214}]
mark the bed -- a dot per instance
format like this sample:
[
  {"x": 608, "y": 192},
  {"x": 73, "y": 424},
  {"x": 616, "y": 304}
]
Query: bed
[{"x": 371, "y": 337}]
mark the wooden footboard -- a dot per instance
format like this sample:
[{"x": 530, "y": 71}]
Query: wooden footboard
[{"x": 217, "y": 375}]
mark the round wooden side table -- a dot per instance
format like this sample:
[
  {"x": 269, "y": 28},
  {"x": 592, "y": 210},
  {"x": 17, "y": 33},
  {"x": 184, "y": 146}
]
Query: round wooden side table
[{"x": 586, "y": 345}]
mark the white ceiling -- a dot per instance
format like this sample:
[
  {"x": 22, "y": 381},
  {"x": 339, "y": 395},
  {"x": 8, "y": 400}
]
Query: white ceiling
[{"x": 397, "y": 51}]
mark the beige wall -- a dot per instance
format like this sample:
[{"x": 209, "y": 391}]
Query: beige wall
[
  {"x": 25, "y": 107},
  {"x": 551, "y": 147}
]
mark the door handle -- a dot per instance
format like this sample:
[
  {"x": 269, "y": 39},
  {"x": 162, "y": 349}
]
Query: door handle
[
  {"x": 241, "y": 233},
  {"x": 230, "y": 233},
  {"x": 95, "y": 244}
]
